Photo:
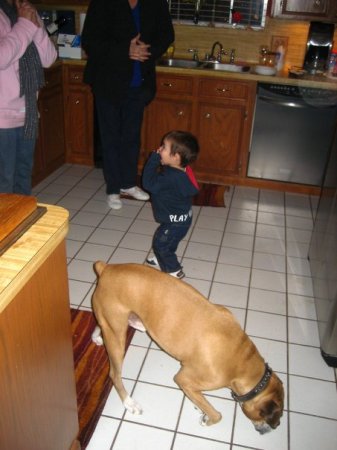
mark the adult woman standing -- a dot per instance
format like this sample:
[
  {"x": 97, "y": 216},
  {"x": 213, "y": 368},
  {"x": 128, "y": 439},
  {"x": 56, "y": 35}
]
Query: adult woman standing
[
  {"x": 123, "y": 39},
  {"x": 24, "y": 49}
]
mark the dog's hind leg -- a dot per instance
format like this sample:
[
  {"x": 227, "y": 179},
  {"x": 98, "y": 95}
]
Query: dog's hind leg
[
  {"x": 191, "y": 388},
  {"x": 114, "y": 341}
]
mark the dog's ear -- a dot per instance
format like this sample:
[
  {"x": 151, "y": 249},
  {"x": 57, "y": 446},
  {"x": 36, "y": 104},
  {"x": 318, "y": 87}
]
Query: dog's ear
[{"x": 99, "y": 266}]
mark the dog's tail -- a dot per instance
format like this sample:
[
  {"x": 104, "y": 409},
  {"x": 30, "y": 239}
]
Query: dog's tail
[{"x": 99, "y": 266}]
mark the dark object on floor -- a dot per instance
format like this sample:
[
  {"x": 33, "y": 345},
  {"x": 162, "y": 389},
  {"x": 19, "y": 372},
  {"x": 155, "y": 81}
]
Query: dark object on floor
[
  {"x": 210, "y": 195},
  {"x": 93, "y": 384}
]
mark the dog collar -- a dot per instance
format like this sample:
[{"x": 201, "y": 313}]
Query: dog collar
[{"x": 261, "y": 385}]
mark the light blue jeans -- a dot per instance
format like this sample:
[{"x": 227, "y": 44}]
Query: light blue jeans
[{"x": 16, "y": 161}]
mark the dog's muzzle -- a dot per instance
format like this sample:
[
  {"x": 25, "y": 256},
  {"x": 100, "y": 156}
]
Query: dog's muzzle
[{"x": 262, "y": 428}]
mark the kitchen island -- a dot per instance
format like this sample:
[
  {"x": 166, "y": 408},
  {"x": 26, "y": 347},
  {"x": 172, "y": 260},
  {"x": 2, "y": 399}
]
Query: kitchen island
[{"x": 37, "y": 390}]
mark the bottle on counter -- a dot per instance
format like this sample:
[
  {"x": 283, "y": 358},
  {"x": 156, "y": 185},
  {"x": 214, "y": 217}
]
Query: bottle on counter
[
  {"x": 55, "y": 26},
  {"x": 280, "y": 57}
]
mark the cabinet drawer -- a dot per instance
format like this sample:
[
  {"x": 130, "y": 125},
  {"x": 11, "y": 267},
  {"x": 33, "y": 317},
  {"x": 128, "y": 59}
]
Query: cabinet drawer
[
  {"x": 174, "y": 85},
  {"x": 75, "y": 75},
  {"x": 222, "y": 89}
]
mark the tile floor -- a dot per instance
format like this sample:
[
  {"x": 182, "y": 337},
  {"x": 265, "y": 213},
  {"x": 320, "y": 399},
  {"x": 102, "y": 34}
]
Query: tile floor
[{"x": 250, "y": 257}]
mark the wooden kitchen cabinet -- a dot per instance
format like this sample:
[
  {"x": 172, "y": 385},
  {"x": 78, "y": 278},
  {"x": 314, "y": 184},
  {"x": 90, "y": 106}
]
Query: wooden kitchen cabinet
[
  {"x": 78, "y": 113},
  {"x": 223, "y": 123},
  {"x": 49, "y": 151},
  {"x": 306, "y": 9},
  {"x": 219, "y": 112},
  {"x": 171, "y": 110}
]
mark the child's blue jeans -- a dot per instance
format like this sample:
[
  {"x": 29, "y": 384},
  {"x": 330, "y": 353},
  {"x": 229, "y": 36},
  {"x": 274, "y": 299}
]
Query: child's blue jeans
[{"x": 165, "y": 243}]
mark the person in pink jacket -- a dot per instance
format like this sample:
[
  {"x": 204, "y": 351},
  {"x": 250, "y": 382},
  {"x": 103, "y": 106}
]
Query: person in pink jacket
[{"x": 25, "y": 49}]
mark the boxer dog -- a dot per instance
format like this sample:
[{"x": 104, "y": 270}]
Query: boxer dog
[{"x": 212, "y": 348}]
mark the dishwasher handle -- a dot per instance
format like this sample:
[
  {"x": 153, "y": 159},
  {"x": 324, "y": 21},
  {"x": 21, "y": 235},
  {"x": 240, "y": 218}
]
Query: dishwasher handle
[{"x": 293, "y": 103}]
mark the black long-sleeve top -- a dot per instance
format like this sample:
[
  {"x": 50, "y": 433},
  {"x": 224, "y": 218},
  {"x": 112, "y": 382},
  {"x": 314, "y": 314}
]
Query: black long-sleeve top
[{"x": 107, "y": 32}]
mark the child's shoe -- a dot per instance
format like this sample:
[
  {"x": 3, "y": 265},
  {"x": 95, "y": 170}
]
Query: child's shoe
[
  {"x": 153, "y": 262},
  {"x": 178, "y": 274}
]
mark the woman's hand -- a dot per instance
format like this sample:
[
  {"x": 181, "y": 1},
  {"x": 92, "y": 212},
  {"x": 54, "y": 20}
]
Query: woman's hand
[
  {"x": 139, "y": 51},
  {"x": 28, "y": 11}
]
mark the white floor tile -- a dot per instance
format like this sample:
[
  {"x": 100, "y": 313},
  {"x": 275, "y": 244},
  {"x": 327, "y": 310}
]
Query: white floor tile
[
  {"x": 226, "y": 273},
  {"x": 159, "y": 368},
  {"x": 185, "y": 442},
  {"x": 77, "y": 291},
  {"x": 139, "y": 437},
  {"x": 126, "y": 255},
  {"x": 133, "y": 361},
  {"x": 267, "y": 301},
  {"x": 270, "y": 231},
  {"x": 301, "y": 306},
  {"x": 136, "y": 241},
  {"x": 202, "y": 270},
  {"x": 211, "y": 224},
  {"x": 315, "y": 397},
  {"x": 235, "y": 256},
  {"x": 312, "y": 433},
  {"x": 206, "y": 236},
  {"x": 81, "y": 271},
  {"x": 298, "y": 266},
  {"x": 104, "y": 434},
  {"x": 302, "y": 331},
  {"x": 205, "y": 252},
  {"x": 246, "y": 435},
  {"x": 114, "y": 406},
  {"x": 300, "y": 285},
  {"x": 106, "y": 237},
  {"x": 221, "y": 431},
  {"x": 266, "y": 245},
  {"x": 269, "y": 261},
  {"x": 240, "y": 227},
  {"x": 112, "y": 222},
  {"x": 95, "y": 252},
  {"x": 229, "y": 295},
  {"x": 271, "y": 218},
  {"x": 234, "y": 240},
  {"x": 308, "y": 362},
  {"x": 270, "y": 326},
  {"x": 79, "y": 232},
  {"x": 264, "y": 279},
  {"x": 160, "y": 405},
  {"x": 273, "y": 352},
  {"x": 87, "y": 218}
]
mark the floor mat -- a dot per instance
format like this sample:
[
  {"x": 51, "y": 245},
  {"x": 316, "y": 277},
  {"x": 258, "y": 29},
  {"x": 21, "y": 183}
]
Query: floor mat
[{"x": 91, "y": 373}]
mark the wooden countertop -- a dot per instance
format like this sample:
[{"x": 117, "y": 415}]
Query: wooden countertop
[
  {"x": 313, "y": 81},
  {"x": 26, "y": 255}
]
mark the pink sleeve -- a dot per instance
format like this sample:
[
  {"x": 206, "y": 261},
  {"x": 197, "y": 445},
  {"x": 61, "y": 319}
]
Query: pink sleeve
[{"x": 45, "y": 46}]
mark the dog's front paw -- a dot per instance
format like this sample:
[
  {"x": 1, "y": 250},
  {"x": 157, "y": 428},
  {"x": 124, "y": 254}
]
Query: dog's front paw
[
  {"x": 206, "y": 421},
  {"x": 132, "y": 406},
  {"x": 96, "y": 336}
]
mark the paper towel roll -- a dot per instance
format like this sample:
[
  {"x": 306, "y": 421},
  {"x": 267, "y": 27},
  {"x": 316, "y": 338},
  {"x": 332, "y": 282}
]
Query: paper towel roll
[{"x": 82, "y": 19}]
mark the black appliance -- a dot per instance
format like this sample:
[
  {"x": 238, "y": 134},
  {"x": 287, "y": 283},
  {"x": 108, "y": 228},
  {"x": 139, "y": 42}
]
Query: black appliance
[
  {"x": 292, "y": 133},
  {"x": 319, "y": 44}
]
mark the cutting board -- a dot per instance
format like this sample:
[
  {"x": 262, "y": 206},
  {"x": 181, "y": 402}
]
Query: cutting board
[{"x": 17, "y": 214}]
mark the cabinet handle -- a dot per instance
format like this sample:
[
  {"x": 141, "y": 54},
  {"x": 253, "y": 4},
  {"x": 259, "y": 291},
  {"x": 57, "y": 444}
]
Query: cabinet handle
[
  {"x": 223, "y": 89},
  {"x": 75, "y": 77},
  {"x": 77, "y": 102},
  {"x": 207, "y": 116},
  {"x": 180, "y": 113},
  {"x": 167, "y": 84}
]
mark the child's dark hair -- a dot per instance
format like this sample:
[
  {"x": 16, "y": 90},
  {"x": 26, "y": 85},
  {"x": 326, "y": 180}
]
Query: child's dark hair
[{"x": 183, "y": 143}]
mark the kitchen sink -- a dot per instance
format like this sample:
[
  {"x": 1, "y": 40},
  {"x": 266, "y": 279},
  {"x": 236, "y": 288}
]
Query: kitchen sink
[
  {"x": 182, "y": 63},
  {"x": 226, "y": 67}
]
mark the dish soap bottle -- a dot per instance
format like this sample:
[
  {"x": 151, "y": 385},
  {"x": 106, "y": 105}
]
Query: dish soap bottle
[{"x": 280, "y": 57}]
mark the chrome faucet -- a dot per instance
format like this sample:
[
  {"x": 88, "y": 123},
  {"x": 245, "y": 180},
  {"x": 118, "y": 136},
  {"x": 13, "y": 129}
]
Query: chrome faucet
[
  {"x": 219, "y": 54},
  {"x": 195, "y": 56},
  {"x": 232, "y": 56}
]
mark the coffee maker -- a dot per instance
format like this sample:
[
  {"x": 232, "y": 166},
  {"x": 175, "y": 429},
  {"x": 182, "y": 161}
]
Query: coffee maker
[{"x": 319, "y": 45}]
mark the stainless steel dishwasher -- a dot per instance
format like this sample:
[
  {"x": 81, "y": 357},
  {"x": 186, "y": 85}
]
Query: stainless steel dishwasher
[{"x": 292, "y": 133}]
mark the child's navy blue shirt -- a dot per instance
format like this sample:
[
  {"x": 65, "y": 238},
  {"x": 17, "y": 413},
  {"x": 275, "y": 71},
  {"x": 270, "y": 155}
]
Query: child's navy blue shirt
[{"x": 171, "y": 191}]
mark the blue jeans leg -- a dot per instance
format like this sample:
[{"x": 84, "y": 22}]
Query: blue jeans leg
[
  {"x": 165, "y": 244},
  {"x": 16, "y": 161}
]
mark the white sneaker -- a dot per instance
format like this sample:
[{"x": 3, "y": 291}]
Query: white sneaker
[
  {"x": 136, "y": 192},
  {"x": 153, "y": 262},
  {"x": 178, "y": 274},
  {"x": 114, "y": 201}
]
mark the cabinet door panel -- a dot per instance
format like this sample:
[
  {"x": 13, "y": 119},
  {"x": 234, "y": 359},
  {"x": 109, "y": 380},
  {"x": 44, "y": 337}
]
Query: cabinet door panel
[
  {"x": 79, "y": 125},
  {"x": 164, "y": 116},
  {"x": 51, "y": 109},
  {"x": 220, "y": 130}
]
